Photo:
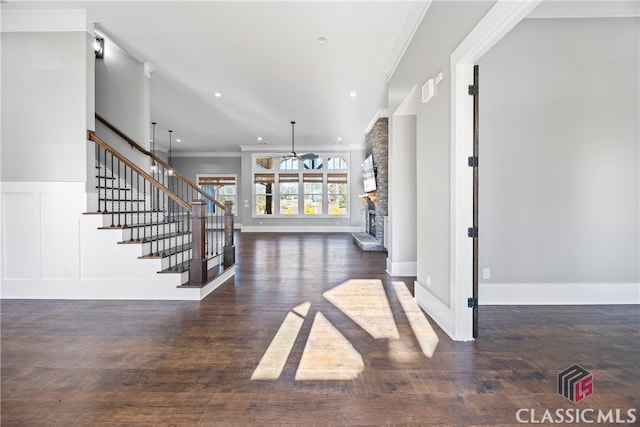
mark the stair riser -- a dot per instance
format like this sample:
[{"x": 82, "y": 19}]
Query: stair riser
[
  {"x": 175, "y": 259},
  {"x": 153, "y": 247},
  {"x": 143, "y": 232},
  {"x": 178, "y": 259},
  {"x": 132, "y": 218},
  {"x": 122, "y": 206}
]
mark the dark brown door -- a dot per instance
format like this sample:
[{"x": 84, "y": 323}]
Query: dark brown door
[{"x": 474, "y": 163}]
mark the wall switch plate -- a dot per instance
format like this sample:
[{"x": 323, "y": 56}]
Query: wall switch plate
[
  {"x": 486, "y": 273},
  {"x": 429, "y": 280}
]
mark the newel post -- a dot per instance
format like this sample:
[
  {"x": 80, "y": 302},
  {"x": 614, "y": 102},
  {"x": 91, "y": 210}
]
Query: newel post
[
  {"x": 229, "y": 250},
  {"x": 198, "y": 267}
]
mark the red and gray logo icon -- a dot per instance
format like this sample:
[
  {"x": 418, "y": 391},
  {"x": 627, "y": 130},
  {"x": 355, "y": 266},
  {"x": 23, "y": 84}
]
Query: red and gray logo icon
[{"x": 575, "y": 383}]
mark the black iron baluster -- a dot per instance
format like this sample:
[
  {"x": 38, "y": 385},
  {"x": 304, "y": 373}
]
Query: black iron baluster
[
  {"x": 119, "y": 191},
  {"x": 112, "y": 190},
  {"x": 125, "y": 201}
]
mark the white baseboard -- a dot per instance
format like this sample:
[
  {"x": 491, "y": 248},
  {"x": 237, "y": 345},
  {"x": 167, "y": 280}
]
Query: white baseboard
[
  {"x": 219, "y": 281},
  {"x": 434, "y": 307},
  {"x": 558, "y": 293},
  {"x": 402, "y": 268},
  {"x": 99, "y": 289}
]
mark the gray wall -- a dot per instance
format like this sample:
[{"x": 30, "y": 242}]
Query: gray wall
[
  {"x": 122, "y": 93},
  {"x": 190, "y": 167},
  {"x": 445, "y": 25},
  {"x": 559, "y": 138},
  {"x": 44, "y": 141}
]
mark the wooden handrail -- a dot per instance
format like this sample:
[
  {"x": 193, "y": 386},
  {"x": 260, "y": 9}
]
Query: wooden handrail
[
  {"x": 158, "y": 160},
  {"x": 93, "y": 137}
]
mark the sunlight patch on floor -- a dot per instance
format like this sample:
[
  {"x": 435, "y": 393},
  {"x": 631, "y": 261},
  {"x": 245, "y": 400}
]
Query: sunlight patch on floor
[
  {"x": 366, "y": 303},
  {"x": 274, "y": 359},
  {"x": 302, "y": 309},
  {"x": 328, "y": 355},
  {"x": 426, "y": 336}
]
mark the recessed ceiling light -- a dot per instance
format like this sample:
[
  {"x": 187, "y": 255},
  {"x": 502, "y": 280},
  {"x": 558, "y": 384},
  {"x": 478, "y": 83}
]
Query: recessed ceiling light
[
  {"x": 217, "y": 94},
  {"x": 178, "y": 140},
  {"x": 353, "y": 94},
  {"x": 321, "y": 40},
  {"x": 339, "y": 139},
  {"x": 259, "y": 138}
]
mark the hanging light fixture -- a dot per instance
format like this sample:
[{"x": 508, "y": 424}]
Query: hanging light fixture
[
  {"x": 170, "y": 171},
  {"x": 98, "y": 47},
  {"x": 153, "y": 146}
]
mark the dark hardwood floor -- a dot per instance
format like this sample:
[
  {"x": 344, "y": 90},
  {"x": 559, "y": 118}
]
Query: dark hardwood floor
[{"x": 94, "y": 363}]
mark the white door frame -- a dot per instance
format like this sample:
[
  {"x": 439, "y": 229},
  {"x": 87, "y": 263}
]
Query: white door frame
[{"x": 504, "y": 15}]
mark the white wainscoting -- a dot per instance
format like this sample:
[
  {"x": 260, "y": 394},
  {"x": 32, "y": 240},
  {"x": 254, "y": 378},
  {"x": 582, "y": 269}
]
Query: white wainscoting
[{"x": 50, "y": 250}]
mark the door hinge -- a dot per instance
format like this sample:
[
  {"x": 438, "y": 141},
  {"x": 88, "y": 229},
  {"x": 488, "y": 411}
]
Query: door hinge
[
  {"x": 472, "y": 302},
  {"x": 472, "y": 232},
  {"x": 473, "y": 161},
  {"x": 473, "y": 90}
]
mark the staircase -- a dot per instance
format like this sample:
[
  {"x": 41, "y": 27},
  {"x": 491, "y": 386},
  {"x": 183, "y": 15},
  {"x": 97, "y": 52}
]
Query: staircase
[{"x": 156, "y": 227}]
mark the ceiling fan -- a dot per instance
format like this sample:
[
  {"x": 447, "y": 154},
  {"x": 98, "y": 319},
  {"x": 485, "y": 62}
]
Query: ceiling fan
[{"x": 292, "y": 154}]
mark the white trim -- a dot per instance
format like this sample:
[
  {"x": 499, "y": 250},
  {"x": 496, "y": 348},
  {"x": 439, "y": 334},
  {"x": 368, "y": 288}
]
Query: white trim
[
  {"x": 409, "y": 105},
  {"x": 44, "y": 21},
  {"x": 206, "y": 154},
  {"x": 217, "y": 282},
  {"x": 502, "y": 17},
  {"x": 381, "y": 113},
  {"x": 284, "y": 149},
  {"x": 300, "y": 229},
  {"x": 414, "y": 18},
  {"x": 402, "y": 268},
  {"x": 44, "y": 187},
  {"x": 558, "y": 293},
  {"x": 436, "y": 309},
  {"x": 587, "y": 9}
]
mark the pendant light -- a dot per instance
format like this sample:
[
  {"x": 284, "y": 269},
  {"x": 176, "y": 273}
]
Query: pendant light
[
  {"x": 170, "y": 171},
  {"x": 153, "y": 146}
]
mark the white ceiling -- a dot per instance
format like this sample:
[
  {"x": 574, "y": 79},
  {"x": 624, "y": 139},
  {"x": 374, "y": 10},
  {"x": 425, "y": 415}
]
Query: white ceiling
[{"x": 263, "y": 57}]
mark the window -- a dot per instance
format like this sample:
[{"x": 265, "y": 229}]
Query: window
[
  {"x": 264, "y": 163},
  {"x": 312, "y": 193},
  {"x": 264, "y": 193},
  {"x": 220, "y": 187},
  {"x": 288, "y": 193},
  {"x": 337, "y": 191},
  {"x": 313, "y": 163},
  {"x": 336, "y": 163},
  {"x": 289, "y": 164},
  {"x": 299, "y": 188}
]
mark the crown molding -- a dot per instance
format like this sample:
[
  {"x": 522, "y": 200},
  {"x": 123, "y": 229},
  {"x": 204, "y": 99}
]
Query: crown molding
[
  {"x": 44, "y": 21},
  {"x": 380, "y": 114},
  {"x": 336, "y": 148},
  {"x": 414, "y": 18},
  {"x": 206, "y": 154},
  {"x": 586, "y": 9}
]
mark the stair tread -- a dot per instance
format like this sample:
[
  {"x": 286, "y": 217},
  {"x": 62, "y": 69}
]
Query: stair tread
[
  {"x": 131, "y": 226},
  {"x": 212, "y": 274},
  {"x": 172, "y": 251},
  {"x": 100, "y": 187},
  {"x": 121, "y": 200},
  {"x": 178, "y": 268},
  {"x": 121, "y": 212}
]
